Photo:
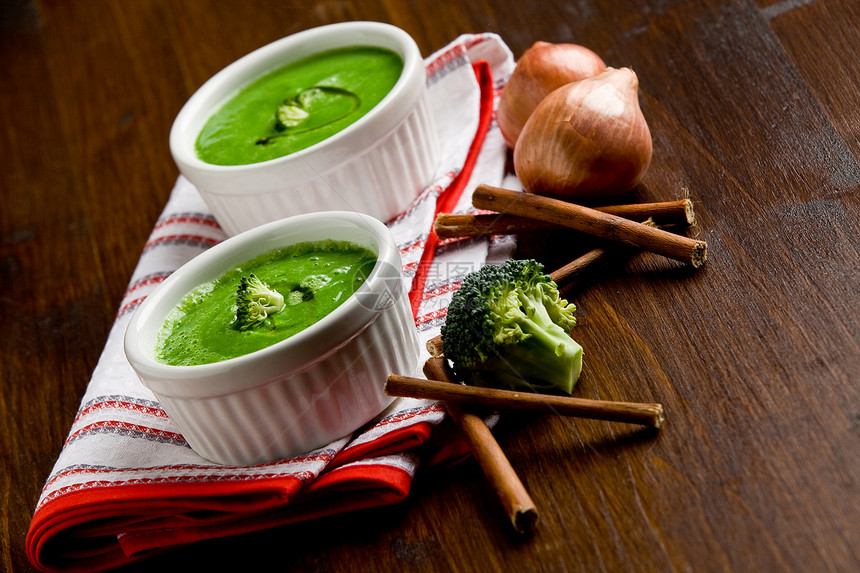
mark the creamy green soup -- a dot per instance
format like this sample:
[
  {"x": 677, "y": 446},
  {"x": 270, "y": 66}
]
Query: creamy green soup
[
  {"x": 298, "y": 105},
  {"x": 314, "y": 278}
]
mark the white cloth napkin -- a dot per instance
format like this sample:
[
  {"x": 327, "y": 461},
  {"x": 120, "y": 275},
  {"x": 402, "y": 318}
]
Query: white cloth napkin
[{"x": 126, "y": 483}]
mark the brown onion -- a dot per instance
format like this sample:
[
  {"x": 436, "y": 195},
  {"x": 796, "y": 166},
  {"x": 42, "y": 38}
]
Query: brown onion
[
  {"x": 541, "y": 69},
  {"x": 586, "y": 140}
]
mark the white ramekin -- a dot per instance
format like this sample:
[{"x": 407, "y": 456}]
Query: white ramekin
[
  {"x": 376, "y": 166},
  {"x": 299, "y": 394}
]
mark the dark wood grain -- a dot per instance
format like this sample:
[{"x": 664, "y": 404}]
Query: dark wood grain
[{"x": 754, "y": 109}]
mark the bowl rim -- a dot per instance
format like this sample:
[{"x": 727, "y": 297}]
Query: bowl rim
[
  {"x": 297, "y": 353},
  {"x": 226, "y": 83}
]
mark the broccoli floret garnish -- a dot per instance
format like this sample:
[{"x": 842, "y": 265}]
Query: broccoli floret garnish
[
  {"x": 507, "y": 326},
  {"x": 254, "y": 302},
  {"x": 290, "y": 114}
]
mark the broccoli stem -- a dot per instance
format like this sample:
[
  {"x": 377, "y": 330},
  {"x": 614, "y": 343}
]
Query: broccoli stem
[
  {"x": 563, "y": 366},
  {"x": 530, "y": 360},
  {"x": 548, "y": 359}
]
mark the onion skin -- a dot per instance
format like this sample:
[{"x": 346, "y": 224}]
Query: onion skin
[
  {"x": 587, "y": 140},
  {"x": 542, "y": 68}
]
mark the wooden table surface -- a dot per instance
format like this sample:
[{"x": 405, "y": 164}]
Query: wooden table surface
[{"x": 754, "y": 109}]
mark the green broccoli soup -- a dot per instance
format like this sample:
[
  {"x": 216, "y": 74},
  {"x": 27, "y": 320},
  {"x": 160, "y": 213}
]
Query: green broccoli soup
[
  {"x": 262, "y": 301},
  {"x": 298, "y": 105}
]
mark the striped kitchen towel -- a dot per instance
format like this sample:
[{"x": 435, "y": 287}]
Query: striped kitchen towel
[{"x": 126, "y": 485}]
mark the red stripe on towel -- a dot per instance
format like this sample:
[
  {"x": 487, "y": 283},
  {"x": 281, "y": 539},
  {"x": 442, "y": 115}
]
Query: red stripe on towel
[{"x": 448, "y": 199}]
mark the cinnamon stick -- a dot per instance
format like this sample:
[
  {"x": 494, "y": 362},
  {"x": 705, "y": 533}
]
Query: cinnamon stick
[
  {"x": 644, "y": 414},
  {"x": 515, "y": 500},
  {"x": 574, "y": 268},
  {"x": 475, "y": 225},
  {"x": 434, "y": 346},
  {"x": 591, "y": 221},
  {"x": 449, "y": 226},
  {"x": 678, "y": 212}
]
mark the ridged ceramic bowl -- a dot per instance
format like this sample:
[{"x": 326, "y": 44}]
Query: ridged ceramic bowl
[
  {"x": 377, "y": 165},
  {"x": 299, "y": 394}
]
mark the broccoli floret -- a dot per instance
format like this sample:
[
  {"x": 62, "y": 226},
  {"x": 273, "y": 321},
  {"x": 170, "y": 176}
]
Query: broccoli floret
[
  {"x": 290, "y": 114},
  {"x": 507, "y": 326},
  {"x": 254, "y": 302}
]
